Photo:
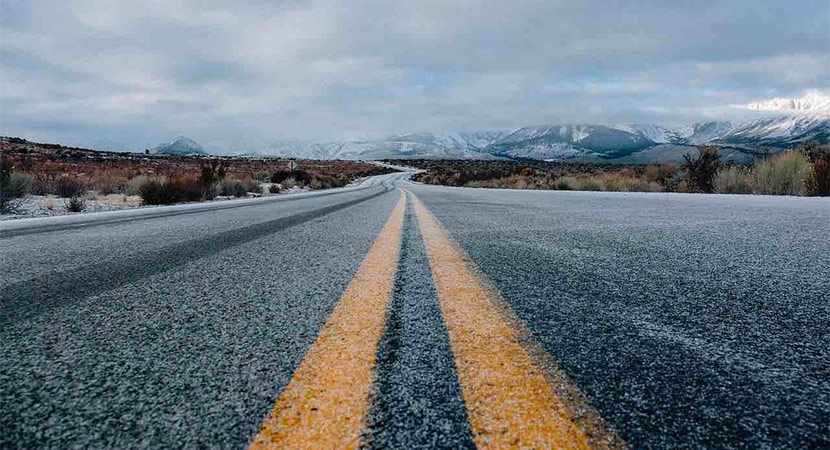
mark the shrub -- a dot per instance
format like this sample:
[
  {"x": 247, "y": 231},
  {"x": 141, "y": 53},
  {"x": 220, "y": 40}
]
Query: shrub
[
  {"x": 274, "y": 188},
  {"x": 288, "y": 183},
  {"x": 105, "y": 184},
  {"x": 659, "y": 174},
  {"x": 684, "y": 186},
  {"x": 69, "y": 187},
  {"x": 155, "y": 191},
  {"x": 232, "y": 187},
  {"x": 316, "y": 184},
  {"x": 76, "y": 203},
  {"x": 818, "y": 180},
  {"x": 19, "y": 184},
  {"x": 44, "y": 183},
  {"x": 701, "y": 170},
  {"x": 133, "y": 186},
  {"x": 207, "y": 181},
  {"x": 5, "y": 179},
  {"x": 164, "y": 191},
  {"x": 784, "y": 175},
  {"x": 566, "y": 184},
  {"x": 300, "y": 176},
  {"x": 519, "y": 182},
  {"x": 733, "y": 180},
  {"x": 589, "y": 184},
  {"x": 251, "y": 185}
]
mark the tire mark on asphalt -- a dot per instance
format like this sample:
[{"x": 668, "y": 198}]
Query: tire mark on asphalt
[
  {"x": 416, "y": 400},
  {"x": 31, "y": 298}
]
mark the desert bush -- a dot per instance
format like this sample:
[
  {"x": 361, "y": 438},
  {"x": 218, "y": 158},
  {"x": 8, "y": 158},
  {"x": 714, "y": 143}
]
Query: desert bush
[
  {"x": 700, "y": 170},
  {"x": 733, "y": 180},
  {"x": 518, "y": 182},
  {"x": 44, "y": 183},
  {"x": 300, "y": 176},
  {"x": 207, "y": 181},
  {"x": 818, "y": 180},
  {"x": 6, "y": 199},
  {"x": 785, "y": 175},
  {"x": 316, "y": 184},
  {"x": 628, "y": 183},
  {"x": 133, "y": 186},
  {"x": 76, "y": 203},
  {"x": 232, "y": 187},
  {"x": 684, "y": 186},
  {"x": 251, "y": 185},
  {"x": 288, "y": 183},
  {"x": 68, "y": 186},
  {"x": 589, "y": 184},
  {"x": 274, "y": 188},
  {"x": 19, "y": 185},
  {"x": 331, "y": 182},
  {"x": 566, "y": 184},
  {"x": 165, "y": 191},
  {"x": 659, "y": 174},
  {"x": 106, "y": 184}
]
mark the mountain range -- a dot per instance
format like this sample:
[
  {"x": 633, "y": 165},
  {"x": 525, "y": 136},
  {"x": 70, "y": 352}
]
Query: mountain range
[{"x": 797, "y": 121}]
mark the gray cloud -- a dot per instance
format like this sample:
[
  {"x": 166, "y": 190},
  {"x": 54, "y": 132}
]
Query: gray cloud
[{"x": 128, "y": 75}]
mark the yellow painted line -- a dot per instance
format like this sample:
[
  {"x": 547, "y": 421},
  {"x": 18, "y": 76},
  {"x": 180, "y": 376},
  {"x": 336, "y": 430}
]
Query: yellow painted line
[
  {"x": 324, "y": 404},
  {"x": 510, "y": 401}
]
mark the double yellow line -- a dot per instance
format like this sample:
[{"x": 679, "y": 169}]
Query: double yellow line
[{"x": 509, "y": 389}]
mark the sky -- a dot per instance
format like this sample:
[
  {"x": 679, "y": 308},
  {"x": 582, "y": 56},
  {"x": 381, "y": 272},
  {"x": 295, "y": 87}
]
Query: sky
[{"x": 236, "y": 75}]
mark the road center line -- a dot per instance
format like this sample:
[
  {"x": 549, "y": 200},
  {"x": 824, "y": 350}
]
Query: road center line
[
  {"x": 325, "y": 403},
  {"x": 510, "y": 400}
]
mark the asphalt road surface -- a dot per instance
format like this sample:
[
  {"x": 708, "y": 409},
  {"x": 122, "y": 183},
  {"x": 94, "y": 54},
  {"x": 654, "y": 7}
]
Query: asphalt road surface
[{"x": 502, "y": 319}]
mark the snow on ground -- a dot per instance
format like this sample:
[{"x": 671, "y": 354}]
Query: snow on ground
[{"x": 33, "y": 206}]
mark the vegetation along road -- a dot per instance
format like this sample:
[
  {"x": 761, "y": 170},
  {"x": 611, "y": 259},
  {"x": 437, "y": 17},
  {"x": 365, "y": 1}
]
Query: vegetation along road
[{"x": 403, "y": 315}]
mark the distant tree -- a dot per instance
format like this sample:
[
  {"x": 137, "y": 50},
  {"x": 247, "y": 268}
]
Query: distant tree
[
  {"x": 5, "y": 182},
  {"x": 207, "y": 180},
  {"x": 818, "y": 182},
  {"x": 701, "y": 170}
]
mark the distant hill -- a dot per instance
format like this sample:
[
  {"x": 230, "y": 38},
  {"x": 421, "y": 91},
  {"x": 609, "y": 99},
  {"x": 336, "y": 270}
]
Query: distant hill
[{"x": 180, "y": 146}]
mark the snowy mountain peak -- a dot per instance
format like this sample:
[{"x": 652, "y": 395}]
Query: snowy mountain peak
[
  {"x": 811, "y": 102},
  {"x": 180, "y": 146}
]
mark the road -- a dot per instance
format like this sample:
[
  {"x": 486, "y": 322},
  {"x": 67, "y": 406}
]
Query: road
[{"x": 409, "y": 316}]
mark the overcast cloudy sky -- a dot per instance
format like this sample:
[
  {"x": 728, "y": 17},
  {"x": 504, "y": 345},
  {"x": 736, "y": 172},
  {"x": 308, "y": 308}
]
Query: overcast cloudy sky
[{"x": 234, "y": 74}]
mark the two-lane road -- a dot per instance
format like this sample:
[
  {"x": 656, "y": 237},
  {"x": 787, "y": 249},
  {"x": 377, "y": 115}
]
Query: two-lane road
[{"x": 411, "y": 316}]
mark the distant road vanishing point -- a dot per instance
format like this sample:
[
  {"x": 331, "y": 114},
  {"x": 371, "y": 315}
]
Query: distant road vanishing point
[{"x": 400, "y": 315}]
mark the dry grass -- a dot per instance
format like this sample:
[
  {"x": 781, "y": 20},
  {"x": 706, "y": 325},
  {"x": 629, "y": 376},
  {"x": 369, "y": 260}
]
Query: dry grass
[
  {"x": 784, "y": 175},
  {"x": 800, "y": 172},
  {"x": 734, "y": 180},
  {"x": 68, "y": 172}
]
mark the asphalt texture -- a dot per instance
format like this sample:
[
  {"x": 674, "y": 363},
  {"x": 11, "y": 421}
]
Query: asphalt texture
[
  {"x": 188, "y": 350},
  {"x": 417, "y": 402},
  {"x": 686, "y": 321}
]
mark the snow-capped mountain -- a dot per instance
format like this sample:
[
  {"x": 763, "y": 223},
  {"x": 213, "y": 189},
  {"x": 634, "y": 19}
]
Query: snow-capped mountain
[
  {"x": 461, "y": 145},
  {"x": 799, "y": 120},
  {"x": 565, "y": 141},
  {"x": 180, "y": 146},
  {"x": 811, "y": 102}
]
